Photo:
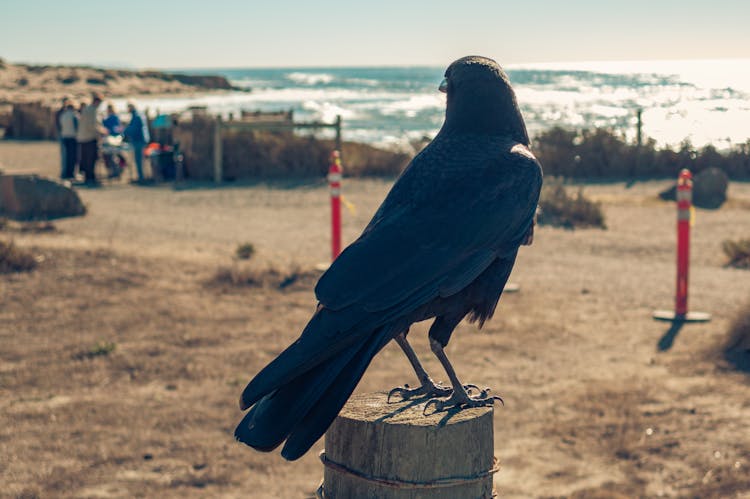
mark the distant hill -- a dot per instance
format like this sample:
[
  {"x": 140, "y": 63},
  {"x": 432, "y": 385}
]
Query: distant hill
[{"x": 49, "y": 83}]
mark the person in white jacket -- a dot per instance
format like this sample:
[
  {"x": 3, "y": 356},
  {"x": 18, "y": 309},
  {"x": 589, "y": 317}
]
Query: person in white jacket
[{"x": 89, "y": 130}]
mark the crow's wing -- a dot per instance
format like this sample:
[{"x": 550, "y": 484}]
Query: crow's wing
[
  {"x": 449, "y": 216},
  {"x": 455, "y": 209}
]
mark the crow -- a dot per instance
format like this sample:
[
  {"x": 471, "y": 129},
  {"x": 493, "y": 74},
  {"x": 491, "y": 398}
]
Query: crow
[{"x": 441, "y": 245}]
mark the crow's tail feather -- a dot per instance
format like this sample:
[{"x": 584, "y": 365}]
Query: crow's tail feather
[
  {"x": 322, "y": 414},
  {"x": 302, "y": 409},
  {"x": 319, "y": 342}
]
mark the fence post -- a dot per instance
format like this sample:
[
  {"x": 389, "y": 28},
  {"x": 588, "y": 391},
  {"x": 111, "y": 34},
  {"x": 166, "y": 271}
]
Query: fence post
[
  {"x": 639, "y": 129},
  {"x": 636, "y": 169},
  {"x": 338, "y": 133},
  {"x": 684, "y": 217},
  {"x": 393, "y": 451},
  {"x": 218, "y": 167}
]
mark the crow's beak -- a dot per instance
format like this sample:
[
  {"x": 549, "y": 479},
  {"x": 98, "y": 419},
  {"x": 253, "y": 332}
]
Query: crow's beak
[{"x": 444, "y": 86}]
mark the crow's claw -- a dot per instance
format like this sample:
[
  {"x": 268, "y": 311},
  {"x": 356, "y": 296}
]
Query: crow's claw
[
  {"x": 470, "y": 388},
  {"x": 428, "y": 389},
  {"x": 400, "y": 390},
  {"x": 463, "y": 400},
  {"x": 485, "y": 395},
  {"x": 439, "y": 405}
]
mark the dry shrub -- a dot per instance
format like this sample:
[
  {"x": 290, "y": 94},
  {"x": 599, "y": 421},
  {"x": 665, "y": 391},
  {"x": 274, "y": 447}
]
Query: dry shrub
[
  {"x": 283, "y": 154},
  {"x": 602, "y": 153},
  {"x": 244, "y": 251},
  {"x": 363, "y": 160},
  {"x": 256, "y": 276},
  {"x": 258, "y": 154},
  {"x": 272, "y": 155},
  {"x": 737, "y": 347},
  {"x": 738, "y": 253},
  {"x": 562, "y": 210},
  {"x": 15, "y": 259},
  {"x": 31, "y": 120},
  {"x": 100, "y": 349}
]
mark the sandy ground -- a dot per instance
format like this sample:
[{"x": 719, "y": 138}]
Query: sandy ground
[{"x": 593, "y": 406}]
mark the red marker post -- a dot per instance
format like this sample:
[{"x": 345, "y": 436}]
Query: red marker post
[
  {"x": 334, "y": 181},
  {"x": 684, "y": 215}
]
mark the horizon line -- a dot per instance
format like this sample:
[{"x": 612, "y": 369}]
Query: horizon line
[{"x": 514, "y": 65}]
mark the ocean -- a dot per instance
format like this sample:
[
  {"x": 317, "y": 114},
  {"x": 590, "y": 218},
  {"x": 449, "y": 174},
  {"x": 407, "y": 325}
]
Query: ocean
[{"x": 703, "y": 101}]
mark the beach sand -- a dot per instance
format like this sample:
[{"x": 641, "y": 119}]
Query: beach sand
[{"x": 592, "y": 408}]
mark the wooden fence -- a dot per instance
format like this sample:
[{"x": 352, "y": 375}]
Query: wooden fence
[{"x": 266, "y": 126}]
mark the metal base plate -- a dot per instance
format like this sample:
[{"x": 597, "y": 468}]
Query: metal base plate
[{"x": 670, "y": 316}]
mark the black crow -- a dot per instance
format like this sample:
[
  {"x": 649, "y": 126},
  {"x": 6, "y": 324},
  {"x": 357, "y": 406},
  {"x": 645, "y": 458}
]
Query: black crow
[{"x": 441, "y": 245}]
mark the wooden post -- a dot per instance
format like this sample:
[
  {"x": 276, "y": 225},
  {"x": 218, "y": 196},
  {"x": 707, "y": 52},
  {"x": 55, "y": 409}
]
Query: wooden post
[
  {"x": 639, "y": 129},
  {"x": 218, "y": 169},
  {"x": 338, "y": 132},
  {"x": 393, "y": 451},
  {"x": 635, "y": 169}
]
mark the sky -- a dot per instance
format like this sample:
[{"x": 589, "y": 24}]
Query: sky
[{"x": 283, "y": 33}]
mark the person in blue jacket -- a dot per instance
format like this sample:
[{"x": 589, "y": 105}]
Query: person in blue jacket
[
  {"x": 137, "y": 134},
  {"x": 112, "y": 121}
]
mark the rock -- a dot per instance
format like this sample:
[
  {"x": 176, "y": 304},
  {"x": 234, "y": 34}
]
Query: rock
[
  {"x": 710, "y": 188},
  {"x": 30, "y": 197}
]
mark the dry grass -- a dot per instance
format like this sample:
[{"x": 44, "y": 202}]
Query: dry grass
[
  {"x": 722, "y": 481},
  {"x": 737, "y": 347},
  {"x": 610, "y": 419},
  {"x": 737, "y": 252},
  {"x": 15, "y": 259},
  {"x": 36, "y": 227},
  {"x": 571, "y": 354},
  {"x": 560, "y": 209},
  {"x": 261, "y": 276}
]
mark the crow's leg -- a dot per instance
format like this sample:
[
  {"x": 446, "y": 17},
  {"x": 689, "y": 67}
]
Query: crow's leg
[
  {"x": 439, "y": 335},
  {"x": 428, "y": 387}
]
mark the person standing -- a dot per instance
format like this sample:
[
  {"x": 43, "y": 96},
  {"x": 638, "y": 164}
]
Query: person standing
[
  {"x": 113, "y": 160},
  {"x": 58, "y": 113},
  {"x": 68, "y": 128},
  {"x": 112, "y": 121},
  {"x": 89, "y": 130},
  {"x": 137, "y": 134}
]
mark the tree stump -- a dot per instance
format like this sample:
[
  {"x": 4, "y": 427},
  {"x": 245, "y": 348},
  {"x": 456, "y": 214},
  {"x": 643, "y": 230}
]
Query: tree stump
[{"x": 393, "y": 451}]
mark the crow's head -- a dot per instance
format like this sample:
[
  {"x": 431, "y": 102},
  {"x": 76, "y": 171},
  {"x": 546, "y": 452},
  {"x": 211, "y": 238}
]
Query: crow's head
[{"x": 481, "y": 100}]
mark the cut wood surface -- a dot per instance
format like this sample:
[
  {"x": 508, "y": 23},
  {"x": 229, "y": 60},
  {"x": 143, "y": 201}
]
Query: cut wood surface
[{"x": 394, "y": 451}]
